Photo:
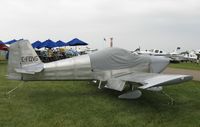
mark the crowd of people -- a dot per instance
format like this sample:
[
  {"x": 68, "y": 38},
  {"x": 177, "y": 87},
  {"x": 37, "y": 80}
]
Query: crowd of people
[{"x": 49, "y": 55}]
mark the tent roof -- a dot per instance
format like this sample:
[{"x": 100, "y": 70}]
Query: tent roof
[
  {"x": 48, "y": 44},
  {"x": 36, "y": 44},
  {"x": 61, "y": 43},
  {"x": 76, "y": 42},
  {"x": 1, "y": 42},
  {"x": 11, "y": 41}
]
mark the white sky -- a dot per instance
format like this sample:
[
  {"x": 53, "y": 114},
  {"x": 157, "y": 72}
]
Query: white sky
[{"x": 163, "y": 24}]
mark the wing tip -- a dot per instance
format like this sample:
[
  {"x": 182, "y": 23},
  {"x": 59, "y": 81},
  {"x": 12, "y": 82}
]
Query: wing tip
[{"x": 187, "y": 77}]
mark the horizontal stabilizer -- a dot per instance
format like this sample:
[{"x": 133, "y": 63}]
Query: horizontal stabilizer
[{"x": 31, "y": 69}]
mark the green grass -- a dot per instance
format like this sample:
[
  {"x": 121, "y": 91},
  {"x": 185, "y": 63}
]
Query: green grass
[
  {"x": 190, "y": 66},
  {"x": 79, "y": 104}
]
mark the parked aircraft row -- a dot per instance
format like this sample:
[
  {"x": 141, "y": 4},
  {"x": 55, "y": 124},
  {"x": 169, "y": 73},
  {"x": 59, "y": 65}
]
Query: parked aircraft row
[{"x": 176, "y": 55}]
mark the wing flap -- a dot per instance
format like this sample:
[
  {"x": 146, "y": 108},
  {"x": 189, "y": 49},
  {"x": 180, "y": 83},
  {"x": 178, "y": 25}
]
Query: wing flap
[{"x": 115, "y": 84}]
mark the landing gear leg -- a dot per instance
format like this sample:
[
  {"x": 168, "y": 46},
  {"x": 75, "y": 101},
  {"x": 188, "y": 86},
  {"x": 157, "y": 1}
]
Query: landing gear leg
[{"x": 99, "y": 84}]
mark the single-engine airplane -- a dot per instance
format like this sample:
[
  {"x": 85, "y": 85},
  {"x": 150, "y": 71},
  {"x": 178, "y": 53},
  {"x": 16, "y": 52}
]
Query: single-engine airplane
[{"x": 115, "y": 66}]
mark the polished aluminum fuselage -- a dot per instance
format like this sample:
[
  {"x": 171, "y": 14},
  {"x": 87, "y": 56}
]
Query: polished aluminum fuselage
[{"x": 79, "y": 68}]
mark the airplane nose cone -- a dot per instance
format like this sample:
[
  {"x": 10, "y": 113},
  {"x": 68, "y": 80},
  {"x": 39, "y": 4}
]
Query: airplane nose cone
[{"x": 158, "y": 64}]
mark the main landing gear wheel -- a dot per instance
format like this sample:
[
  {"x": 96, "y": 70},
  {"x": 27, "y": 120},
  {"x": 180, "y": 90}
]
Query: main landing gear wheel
[{"x": 131, "y": 95}]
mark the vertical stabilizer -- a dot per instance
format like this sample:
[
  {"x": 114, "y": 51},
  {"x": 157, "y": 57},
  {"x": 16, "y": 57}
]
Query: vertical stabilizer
[{"x": 22, "y": 59}]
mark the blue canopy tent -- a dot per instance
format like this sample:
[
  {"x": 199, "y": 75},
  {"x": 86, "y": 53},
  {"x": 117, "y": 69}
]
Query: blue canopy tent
[
  {"x": 37, "y": 44},
  {"x": 12, "y": 41},
  {"x": 61, "y": 43},
  {"x": 1, "y": 42},
  {"x": 48, "y": 44},
  {"x": 76, "y": 42}
]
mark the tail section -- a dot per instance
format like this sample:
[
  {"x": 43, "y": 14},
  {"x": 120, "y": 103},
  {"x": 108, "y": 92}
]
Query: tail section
[{"x": 23, "y": 60}]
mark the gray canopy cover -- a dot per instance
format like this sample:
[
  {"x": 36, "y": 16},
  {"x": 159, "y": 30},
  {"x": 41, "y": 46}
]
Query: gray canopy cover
[{"x": 115, "y": 58}]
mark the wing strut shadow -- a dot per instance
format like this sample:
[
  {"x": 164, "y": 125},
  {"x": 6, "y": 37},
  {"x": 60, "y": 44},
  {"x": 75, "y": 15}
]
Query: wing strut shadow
[
  {"x": 12, "y": 90},
  {"x": 167, "y": 95}
]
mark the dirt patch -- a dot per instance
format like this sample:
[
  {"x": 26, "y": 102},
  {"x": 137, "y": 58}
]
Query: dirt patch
[{"x": 194, "y": 73}]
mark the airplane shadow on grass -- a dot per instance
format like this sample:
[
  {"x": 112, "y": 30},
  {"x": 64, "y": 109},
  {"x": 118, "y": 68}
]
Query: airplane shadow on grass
[{"x": 154, "y": 100}]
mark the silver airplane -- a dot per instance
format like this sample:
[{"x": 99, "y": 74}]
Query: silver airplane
[{"x": 114, "y": 68}]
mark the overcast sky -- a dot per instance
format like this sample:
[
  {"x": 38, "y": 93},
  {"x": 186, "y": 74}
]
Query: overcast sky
[{"x": 163, "y": 24}]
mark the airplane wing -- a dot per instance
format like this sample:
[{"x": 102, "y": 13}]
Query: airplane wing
[{"x": 146, "y": 80}]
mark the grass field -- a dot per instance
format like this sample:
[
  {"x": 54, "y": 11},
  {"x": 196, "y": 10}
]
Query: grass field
[
  {"x": 79, "y": 104},
  {"x": 191, "y": 66}
]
